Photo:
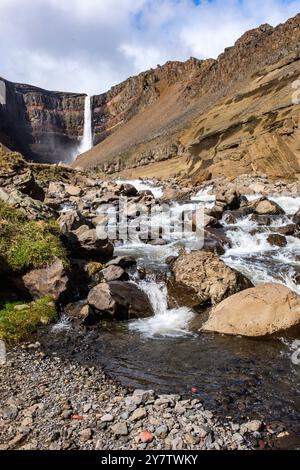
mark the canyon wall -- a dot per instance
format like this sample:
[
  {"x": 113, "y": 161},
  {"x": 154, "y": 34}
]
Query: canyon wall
[
  {"x": 43, "y": 125},
  {"x": 198, "y": 118},
  {"x": 234, "y": 114}
]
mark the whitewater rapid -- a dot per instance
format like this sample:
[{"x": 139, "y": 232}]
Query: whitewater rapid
[{"x": 249, "y": 252}]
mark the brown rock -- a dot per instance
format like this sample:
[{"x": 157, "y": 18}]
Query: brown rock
[
  {"x": 85, "y": 243},
  {"x": 265, "y": 207},
  {"x": 277, "y": 240},
  {"x": 73, "y": 190},
  {"x": 171, "y": 194},
  {"x": 71, "y": 220},
  {"x": 120, "y": 300},
  {"x": 210, "y": 279},
  {"x": 51, "y": 281},
  {"x": 228, "y": 198},
  {"x": 259, "y": 311},
  {"x": 296, "y": 218},
  {"x": 122, "y": 261},
  {"x": 287, "y": 230},
  {"x": 113, "y": 273}
]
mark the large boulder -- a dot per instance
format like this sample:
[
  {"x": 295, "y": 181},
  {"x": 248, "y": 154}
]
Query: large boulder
[
  {"x": 113, "y": 273},
  {"x": 258, "y": 311},
  {"x": 171, "y": 194},
  {"x": 209, "y": 278},
  {"x": 228, "y": 199},
  {"x": 72, "y": 220},
  {"x": 275, "y": 239},
  {"x": 119, "y": 300},
  {"x": 86, "y": 243},
  {"x": 265, "y": 207},
  {"x": 51, "y": 281}
]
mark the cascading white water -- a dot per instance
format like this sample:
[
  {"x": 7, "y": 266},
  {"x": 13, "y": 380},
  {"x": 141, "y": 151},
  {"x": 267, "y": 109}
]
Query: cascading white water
[
  {"x": 87, "y": 139},
  {"x": 165, "y": 322}
]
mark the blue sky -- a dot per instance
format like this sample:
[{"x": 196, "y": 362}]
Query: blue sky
[{"x": 89, "y": 45}]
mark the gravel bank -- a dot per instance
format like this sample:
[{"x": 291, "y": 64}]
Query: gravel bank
[{"x": 49, "y": 403}]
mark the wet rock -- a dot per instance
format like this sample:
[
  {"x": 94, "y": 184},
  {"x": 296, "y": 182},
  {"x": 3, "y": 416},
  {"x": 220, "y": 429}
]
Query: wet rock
[
  {"x": 277, "y": 240},
  {"x": 258, "y": 311},
  {"x": 261, "y": 219},
  {"x": 50, "y": 281},
  {"x": 85, "y": 242},
  {"x": 216, "y": 211},
  {"x": 172, "y": 194},
  {"x": 265, "y": 207},
  {"x": 122, "y": 261},
  {"x": 128, "y": 190},
  {"x": 296, "y": 217},
  {"x": 229, "y": 199},
  {"x": 113, "y": 273},
  {"x": 210, "y": 279},
  {"x": 120, "y": 300},
  {"x": 208, "y": 221},
  {"x": 287, "y": 230},
  {"x": 157, "y": 242},
  {"x": 80, "y": 312}
]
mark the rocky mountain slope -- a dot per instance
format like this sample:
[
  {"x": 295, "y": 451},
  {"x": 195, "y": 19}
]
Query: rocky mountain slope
[
  {"x": 195, "y": 119},
  {"x": 44, "y": 126},
  {"x": 227, "y": 116}
]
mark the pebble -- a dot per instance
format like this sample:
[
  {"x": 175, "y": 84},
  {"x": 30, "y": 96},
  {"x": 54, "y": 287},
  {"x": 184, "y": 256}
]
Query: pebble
[
  {"x": 107, "y": 418},
  {"x": 85, "y": 434},
  {"x": 138, "y": 414},
  {"x": 61, "y": 405},
  {"x": 120, "y": 429}
]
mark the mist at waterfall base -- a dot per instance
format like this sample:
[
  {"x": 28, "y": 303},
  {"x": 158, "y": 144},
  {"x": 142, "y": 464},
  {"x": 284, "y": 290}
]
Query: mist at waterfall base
[{"x": 237, "y": 376}]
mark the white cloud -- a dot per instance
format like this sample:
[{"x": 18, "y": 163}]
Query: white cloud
[{"x": 89, "y": 45}]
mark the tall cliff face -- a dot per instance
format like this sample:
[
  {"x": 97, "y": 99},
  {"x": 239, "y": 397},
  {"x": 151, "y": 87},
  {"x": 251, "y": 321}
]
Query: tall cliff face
[
  {"x": 126, "y": 100},
  {"x": 43, "y": 125},
  {"x": 234, "y": 114}
]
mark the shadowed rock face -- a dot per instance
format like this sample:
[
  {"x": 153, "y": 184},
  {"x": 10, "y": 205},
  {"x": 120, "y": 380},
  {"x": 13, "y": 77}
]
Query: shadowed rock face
[{"x": 44, "y": 126}]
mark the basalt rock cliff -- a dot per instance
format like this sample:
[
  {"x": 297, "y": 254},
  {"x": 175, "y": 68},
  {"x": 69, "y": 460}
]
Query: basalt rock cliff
[
  {"x": 200, "y": 118},
  {"x": 227, "y": 116},
  {"x": 43, "y": 125}
]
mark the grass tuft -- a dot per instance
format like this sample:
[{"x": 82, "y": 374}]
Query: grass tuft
[
  {"x": 18, "y": 321},
  {"x": 27, "y": 244}
]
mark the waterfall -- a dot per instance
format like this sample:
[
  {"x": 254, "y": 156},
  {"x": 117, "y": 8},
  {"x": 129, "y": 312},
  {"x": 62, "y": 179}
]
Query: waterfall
[
  {"x": 87, "y": 139},
  {"x": 171, "y": 322}
]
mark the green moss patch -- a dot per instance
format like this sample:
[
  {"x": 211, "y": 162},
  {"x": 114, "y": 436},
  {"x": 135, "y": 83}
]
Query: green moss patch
[
  {"x": 27, "y": 244},
  {"x": 19, "y": 321}
]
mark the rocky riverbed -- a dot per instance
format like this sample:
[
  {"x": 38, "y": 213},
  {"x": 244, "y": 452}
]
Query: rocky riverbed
[
  {"x": 149, "y": 310},
  {"x": 50, "y": 403}
]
